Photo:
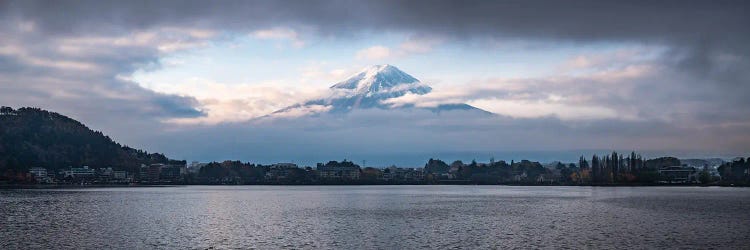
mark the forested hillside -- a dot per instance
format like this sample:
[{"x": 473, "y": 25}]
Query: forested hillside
[{"x": 32, "y": 137}]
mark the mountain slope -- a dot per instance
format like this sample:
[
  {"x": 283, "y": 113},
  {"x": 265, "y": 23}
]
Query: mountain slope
[
  {"x": 31, "y": 137},
  {"x": 370, "y": 88}
]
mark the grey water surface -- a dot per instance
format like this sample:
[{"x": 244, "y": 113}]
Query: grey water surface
[{"x": 380, "y": 217}]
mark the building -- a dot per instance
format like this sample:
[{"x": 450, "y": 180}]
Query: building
[
  {"x": 119, "y": 175},
  {"x": 150, "y": 173},
  {"x": 678, "y": 174},
  {"x": 83, "y": 172},
  {"x": 546, "y": 178},
  {"x": 40, "y": 174},
  {"x": 280, "y": 171},
  {"x": 341, "y": 172},
  {"x": 161, "y": 172},
  {"x": 519, "y": 176},
  {"x": 397, "y": 174},
  {"x": 195, "y": 167},
  {"x": 418, "y": 174},
  {"x": 153, "y": 171},
  {"x": 390, "y": 173},
  {"x": 455, "y": 167},
  {"x": 170, "y": 172},
  {"x": 371, "y": 173},
  {"x": 105, "y": 173}
]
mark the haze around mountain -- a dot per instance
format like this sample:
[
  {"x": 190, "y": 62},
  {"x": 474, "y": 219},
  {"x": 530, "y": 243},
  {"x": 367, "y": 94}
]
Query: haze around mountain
[{"x": 372, "y": 87}]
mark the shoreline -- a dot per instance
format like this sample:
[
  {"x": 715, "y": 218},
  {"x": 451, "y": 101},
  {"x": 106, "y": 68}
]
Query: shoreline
[{"x": 72, "y": 186}]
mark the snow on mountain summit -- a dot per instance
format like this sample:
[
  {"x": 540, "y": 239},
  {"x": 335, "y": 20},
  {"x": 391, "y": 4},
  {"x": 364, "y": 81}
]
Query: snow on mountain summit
[
  {"x": 382, "y": 78},
  {"x": 368, "y": 88}
]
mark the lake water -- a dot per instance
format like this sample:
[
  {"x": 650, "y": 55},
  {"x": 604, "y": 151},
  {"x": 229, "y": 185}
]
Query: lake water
[{"x": 383, "y": 217}]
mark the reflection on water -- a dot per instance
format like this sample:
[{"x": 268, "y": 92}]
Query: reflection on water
[{"x": 354, "y": 217}]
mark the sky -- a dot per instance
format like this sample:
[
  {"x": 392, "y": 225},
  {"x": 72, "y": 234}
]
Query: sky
[{"x": 191, "y": 78}]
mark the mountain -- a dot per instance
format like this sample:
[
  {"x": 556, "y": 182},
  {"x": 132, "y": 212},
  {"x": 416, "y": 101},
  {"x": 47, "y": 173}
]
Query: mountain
[
  {"x": 32, "y": 137},
  {"x": 370, "y": 88},
  {"x": 702, "y": 162}
]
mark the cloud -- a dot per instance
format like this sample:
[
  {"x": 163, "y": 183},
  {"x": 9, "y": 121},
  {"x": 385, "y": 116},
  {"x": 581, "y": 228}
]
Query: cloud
[
  {"x": 80, "y": 75},
  {"x": 612, "y": 59},
  {"x": 700, "y": 43},
  {"x": 374, "y": 53},
  {"x": 419, "y": 45},
  {"x": 236, "y": 102},
  {"x": 606, "y": 89},
  {"x": 411, "y": 46},
  {"x": 280, "y": 34},
  {"x": 74, "y": 57},
  {"x": 324, "y": 73},
  {"x": 542, "y": 108},
  {"x": 409, "y": 137},
  {"x": 298, "y": 111},
  {"x": 232, "y": 102}
]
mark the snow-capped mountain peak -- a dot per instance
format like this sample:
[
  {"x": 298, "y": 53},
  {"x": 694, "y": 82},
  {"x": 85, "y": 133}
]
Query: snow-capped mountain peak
[
  {"x": 369, "y": 88},
  {"x": 381, "y": 79}
]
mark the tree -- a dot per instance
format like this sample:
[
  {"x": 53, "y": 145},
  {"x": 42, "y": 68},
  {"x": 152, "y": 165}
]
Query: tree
[
  {"x": 582, "y": 163},
  {"x": 436, "y": 166},
  {"x": 704, "y": 177}
]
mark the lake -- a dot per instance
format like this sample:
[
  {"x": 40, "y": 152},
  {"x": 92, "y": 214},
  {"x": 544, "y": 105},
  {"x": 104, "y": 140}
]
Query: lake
[{"x": 382, "y": 217}]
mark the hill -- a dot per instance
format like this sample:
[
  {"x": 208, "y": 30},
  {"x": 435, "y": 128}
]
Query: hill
[{"x": 32, "y": 137}]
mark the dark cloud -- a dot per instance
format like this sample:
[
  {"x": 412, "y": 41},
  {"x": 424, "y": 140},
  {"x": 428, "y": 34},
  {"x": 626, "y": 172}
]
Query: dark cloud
[
  {"x": 177, "y": 106},
  {"x": 699, "y": 32},
  {"x": 80, "y": 75},
  {"x": 712, "y": 22}
]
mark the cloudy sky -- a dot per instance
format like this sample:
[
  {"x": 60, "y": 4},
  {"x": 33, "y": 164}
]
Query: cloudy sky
[{"x": 187, "y": 78}]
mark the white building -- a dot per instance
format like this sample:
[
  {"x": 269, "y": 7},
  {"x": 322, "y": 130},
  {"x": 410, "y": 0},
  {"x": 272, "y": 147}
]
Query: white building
[
  {"x": 84, "y": 172},
  {"x": 40, "y": 174},
  {"x": 678, "y": 174},
  {"x": 119, "y": 175},
  {"x": 195, "y": 167},
  {"x": 339, "y": 172}
]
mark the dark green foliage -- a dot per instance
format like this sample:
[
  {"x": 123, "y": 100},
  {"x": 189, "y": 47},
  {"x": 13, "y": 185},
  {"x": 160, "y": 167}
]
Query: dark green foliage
[
  {"x": 436, "y": 166},
  {"x": 495, "y": 172},
  {"x": 32, "y": 137},
  {"x": 231, "y": 172},
  {"x": 735, "y": 171},
  {"x": 648, "y": 176},
  {"x": 662, "y": 162},
  {"x": 343, "y": 163},
  {"x": 533, "y": 169},
  {"x": 616, "y": 168},
  {"x": 705, "y": 177}
]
